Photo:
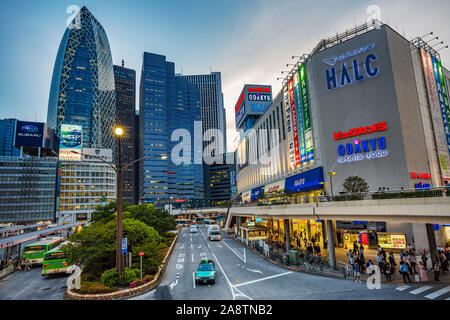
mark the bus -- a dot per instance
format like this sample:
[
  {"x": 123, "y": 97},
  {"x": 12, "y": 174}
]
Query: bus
[
  {"x": 56, "y": 261},
  {"x": 35, "y": 252}
]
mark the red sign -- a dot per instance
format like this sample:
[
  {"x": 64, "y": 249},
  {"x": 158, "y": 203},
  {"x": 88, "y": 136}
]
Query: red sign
[
  {"x": 364, "y": 239},
  {"x": 294, "y": 123},
  {"x": 179, "y": 200},
  {"x": 239, "y": 103},
  {"x": 141, "y": 253},
  {"x": 420, "y": 175},
  {"x": 249, "y": 89},
  {"x": 381, "y": 126}
]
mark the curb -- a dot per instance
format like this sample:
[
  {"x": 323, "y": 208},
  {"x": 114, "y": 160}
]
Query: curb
[{"x": 129, "y": 292}]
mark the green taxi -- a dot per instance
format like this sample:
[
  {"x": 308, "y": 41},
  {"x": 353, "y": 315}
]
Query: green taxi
[{"x": 206, "y": 272}]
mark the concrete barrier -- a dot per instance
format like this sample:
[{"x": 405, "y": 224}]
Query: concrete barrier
[{"x": 129, "y": 292}]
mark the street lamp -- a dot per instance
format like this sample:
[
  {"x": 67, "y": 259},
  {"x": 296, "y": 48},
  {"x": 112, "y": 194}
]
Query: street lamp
[
  {"x": 331, "y": 174},
  {"x": 119, "y": 174}
]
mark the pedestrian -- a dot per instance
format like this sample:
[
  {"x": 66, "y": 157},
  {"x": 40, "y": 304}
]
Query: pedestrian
[
  {"x": 444, "y": 262},
  {"x": 355, "y": 247},
  {"x": 27, "y": 265},
  {"x": 388, "y": 272},
  {"x": 436, "y": 269},
  {"x": 357, "y": 275},
  {"x": 424, "y": 260},
  {"x": 361, "y": 250},
  {"x": 422, "y": 273},
  {"x": 362, "y": 263},
  {"x": 325, "y": 244},
  {"x": 380, "y": 262},
  {"x": 412, "y": 261},
  {"x": 383, "y": 253},
  {"x": 404, "y": 272}
]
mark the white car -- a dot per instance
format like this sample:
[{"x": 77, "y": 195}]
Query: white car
[{"x": 193, "y": 228}]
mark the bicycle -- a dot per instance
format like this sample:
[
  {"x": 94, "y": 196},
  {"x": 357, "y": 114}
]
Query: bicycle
[{"x": 308, "y": 266}]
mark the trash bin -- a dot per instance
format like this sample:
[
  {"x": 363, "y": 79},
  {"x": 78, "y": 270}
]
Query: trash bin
[{"x": 293, "y": 257}]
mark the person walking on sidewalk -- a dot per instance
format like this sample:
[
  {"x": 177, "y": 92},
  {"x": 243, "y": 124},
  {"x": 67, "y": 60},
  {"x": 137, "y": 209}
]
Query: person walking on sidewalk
[
  {"x": 404, "y": 271},
  {"x": 424, "y": 259},
  {"x": 412, "y": 260},
  {"x": 436, "y": 269},
  {"x": 357, "y": 275},
  {"x": 380, "y": 262},
  {"x": 392, "y": 262},
  {"x": 422, "y": 273},
  {"x": 388, "y": 272}
]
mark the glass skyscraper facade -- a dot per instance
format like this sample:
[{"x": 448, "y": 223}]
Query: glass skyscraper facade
[
  {"x": 125, "y": 83},
  {"x": 82, "y": 88},
  {"x": 166, "y": 103},
  {"x": 7, "y": 133}
]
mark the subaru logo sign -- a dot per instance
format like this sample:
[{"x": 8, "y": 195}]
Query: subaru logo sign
[{"x": 29, "y": 129}]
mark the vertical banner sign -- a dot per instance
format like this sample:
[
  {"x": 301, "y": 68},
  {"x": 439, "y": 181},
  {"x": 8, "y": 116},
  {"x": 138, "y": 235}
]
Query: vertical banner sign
[
  {"x": 294, "y": 123},
  {"x": 289, "y": 134},
  {"x": 301, "y": 129},
  {"x": 306, "y": 114},
  {"x": 71, "y": 139},
  {"x": 443, "y": 101},
  {"x": 435, "y": 110}
]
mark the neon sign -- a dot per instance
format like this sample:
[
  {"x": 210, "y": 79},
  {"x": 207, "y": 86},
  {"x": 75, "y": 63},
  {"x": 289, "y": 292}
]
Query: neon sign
[
  {"x": 236, "y": 108},
  {"x": 381, "y": 126},
  {"x": 420, "y": 175},
  {"x": 257, "y": 89},
  {"x": 332, "y": 60}
]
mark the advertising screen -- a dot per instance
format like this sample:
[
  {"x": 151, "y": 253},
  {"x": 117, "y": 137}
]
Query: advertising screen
[
  {"x": 71, "y": 139},
  {"x": 294, "y": 123},
  {"x": 289, "y": 133},
  {"x": 392, "y": 241},
  {"x": 306, "y": 114},
  {"x": 29, "y": 134}
]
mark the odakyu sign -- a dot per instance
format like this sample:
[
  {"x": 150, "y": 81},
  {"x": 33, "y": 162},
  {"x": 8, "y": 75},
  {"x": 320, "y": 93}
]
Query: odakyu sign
[
  {"x": 362, "y": 150},
  {"x": 359, "y": 69}
]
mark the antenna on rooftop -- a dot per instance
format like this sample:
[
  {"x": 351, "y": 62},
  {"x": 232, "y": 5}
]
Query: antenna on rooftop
[{"x": 123, "y": 63}]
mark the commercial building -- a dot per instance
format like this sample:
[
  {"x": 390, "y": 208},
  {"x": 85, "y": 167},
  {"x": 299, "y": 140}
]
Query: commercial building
[
  {"x": 168, "y": 106},
  {"x": 125, "y": 83},
  {"x": 85, "y": 185},
  {"x": 213, "y": 118},
  {"x": 366, "y": 103},
  {"x": 7, "y": 134},
  {"x": 82, "y": 88},
  {"x": 222, "y": 179}
]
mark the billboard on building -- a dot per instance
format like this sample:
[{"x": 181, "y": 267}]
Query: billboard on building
[
  {"x": 71, "y": 139},
  {"x": 29, "y": 134},
  {"x": 253, "y": 102},
  {"x": 242, "y": 154},
  {"x": 437, "y": 110},
  {"x": 294, "y": 122},
  {"x": 94, "y": 155},
  {"x": 289, "y": 132},
  {"x": 301, "y": 129},
  {"x": 306, "y": 114}
]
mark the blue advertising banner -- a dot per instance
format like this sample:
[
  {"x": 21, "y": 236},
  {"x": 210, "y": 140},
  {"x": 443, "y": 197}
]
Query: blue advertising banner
[
  {"x": 305, "y": 181},
  {"x": 257, "y": 192},
  {"x": 29, "y": 134}
]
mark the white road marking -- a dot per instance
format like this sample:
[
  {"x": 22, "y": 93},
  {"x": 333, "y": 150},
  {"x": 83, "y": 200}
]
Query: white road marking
[
  {"x": 192, "y": 257},
  {"x": 402, "y": 288},
  {"x": 254, "y": 270},
  {"x": 218, "y": 245},
  {"x": 192, "y": 247},
  {"x": 199, "y": 246},
  {"x": 438, "y": 293},
  {"x": 182, "y": 247},
  {"x": 173, "y": 284},
  {"x": 193, "y": 279},
  {"x": 242, "y": 258},
  {"x": 420, "y": 289},
  {"x": 262, "y": 279}
]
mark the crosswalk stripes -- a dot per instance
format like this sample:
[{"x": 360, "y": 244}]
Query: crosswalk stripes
[
  {"x": 421, "y": 289},
  {"x": 424, "y": 289},
  {"x": 402, "y": 288},
  {"x": 438, "y": 293}
]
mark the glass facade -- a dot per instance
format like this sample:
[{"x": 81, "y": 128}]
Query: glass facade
[
  {"x": 125, "y": 83},
  {"x": 82, "y": 89},
  {"x": 27, "y": 189},
  {"x": 7, "y": 133},
  {"x": 166, "y": 103}
]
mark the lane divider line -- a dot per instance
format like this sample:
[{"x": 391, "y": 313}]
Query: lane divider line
[{"x": 263, "y": 279}]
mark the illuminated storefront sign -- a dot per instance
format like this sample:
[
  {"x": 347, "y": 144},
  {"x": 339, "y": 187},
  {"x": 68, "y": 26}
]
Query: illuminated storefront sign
[
  {"x": 332, "y": 60},
  {"x": 347, "y": 76},
  {"x": 258, "y": 89},
  {"x": 259, "y": 97},
  {"x": 391, "y": 240},
  {"x": 246, "y": 196},
  {"x": 381, "y": 126},
  {"x": 276, "y": 186},
  {"x": 257, "y": 192},
  {"x": 305, "y": 181},
  {"x": 361, "y": 150},
  {"x": 420, "y": 175}
]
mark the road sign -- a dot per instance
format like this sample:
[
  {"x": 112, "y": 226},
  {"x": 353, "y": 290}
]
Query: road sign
[
  {"x": 141, "y": 253},
  {"x": 124, "y": 245}
]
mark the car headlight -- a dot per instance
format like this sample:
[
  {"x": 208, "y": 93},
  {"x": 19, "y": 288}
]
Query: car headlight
[
  {"x": 196, "y": 278},
  {"x": 211, "y": 278}
]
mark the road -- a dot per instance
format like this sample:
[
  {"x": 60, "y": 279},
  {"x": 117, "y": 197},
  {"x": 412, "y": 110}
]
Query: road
[
  {"x": 244, "y": 275},
  {"x": 32, "y": 285}
]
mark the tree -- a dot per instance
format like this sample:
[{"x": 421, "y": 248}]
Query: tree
[
  {"x": 107, "y": 212},
  {"x": 355, "y": 185},
  {"x": 95, "y": 246},
  {"x": 159, "y": 219}
]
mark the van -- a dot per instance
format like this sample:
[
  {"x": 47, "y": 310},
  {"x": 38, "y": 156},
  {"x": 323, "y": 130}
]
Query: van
[{"x": 214, "y": 232}]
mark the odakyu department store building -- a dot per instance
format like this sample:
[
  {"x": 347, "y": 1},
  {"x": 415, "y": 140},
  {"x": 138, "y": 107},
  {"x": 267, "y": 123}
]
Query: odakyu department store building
[{"x": 365, "y": 103}]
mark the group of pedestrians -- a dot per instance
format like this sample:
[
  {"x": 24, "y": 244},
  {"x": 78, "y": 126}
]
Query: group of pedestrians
[{"x": 357, "y": 261}]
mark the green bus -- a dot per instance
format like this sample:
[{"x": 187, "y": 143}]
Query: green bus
[
  {"x": 56, "y": 261},
  {"x": 35, "y": 252}
]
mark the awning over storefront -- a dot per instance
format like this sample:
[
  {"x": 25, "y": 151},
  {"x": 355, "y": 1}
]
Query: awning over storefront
[{"x": 305, "y": 181}]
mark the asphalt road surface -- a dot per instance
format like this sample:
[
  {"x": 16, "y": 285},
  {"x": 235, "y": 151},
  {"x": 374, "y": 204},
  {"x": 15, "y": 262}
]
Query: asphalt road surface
[{"x": 244, "y": 275}]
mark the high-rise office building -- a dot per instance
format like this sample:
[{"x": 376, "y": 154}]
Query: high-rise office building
[
  {"x": 167, "y": 103},
  {"x": 7, "y": 134},
  {"x": 82, "y": 89},
  {"x": 125, "y": 83},
  {"x": 213, "y": 117},
  {"x": 136, "y": 156}
]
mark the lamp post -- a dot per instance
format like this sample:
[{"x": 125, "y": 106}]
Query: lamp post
[
  {"x": 331, "y": 174},
  {"x": 119, "y": 176}
]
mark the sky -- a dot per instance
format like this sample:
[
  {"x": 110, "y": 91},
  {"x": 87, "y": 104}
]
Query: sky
[{"x": 248, "y": 41}]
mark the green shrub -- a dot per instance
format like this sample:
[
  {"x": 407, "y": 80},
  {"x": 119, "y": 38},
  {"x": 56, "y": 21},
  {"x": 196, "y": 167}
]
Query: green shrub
[
  {"x": 94, "y": 288},
  {"x": 110, "y": 278},
  {"x": 128, "y": 275}
]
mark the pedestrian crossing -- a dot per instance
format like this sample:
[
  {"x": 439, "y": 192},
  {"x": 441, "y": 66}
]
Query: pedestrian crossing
[{"x": 426, "y": 291}]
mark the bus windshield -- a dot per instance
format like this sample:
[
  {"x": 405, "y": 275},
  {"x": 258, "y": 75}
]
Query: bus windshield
[{"x": 35, "y": 249}]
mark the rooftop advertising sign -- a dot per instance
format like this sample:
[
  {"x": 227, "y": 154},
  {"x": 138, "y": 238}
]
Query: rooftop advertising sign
[
  {"x": 381, "y": 126},
  {"x": 29, "y": 134},
  {"x": 94, "y": 155},
  {"x": 289, "y": 131},
  {"x": 71, "y": 139}
]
